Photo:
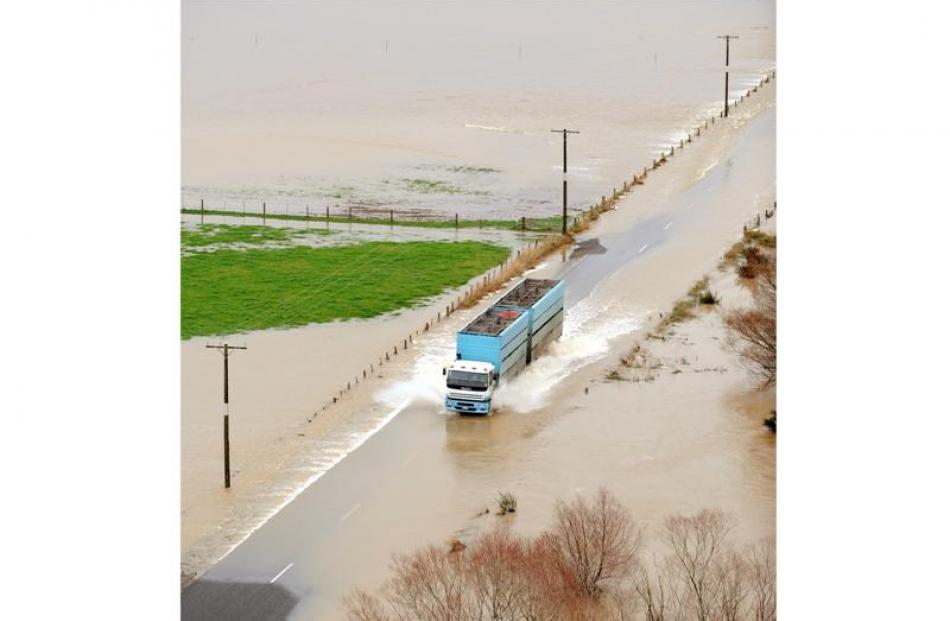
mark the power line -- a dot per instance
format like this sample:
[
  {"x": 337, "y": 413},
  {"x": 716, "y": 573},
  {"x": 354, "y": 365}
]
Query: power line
[
  {"x": 725, "y": 107},
  {"x": 226, "y": 351},
  {"x": 564, "y": 132}
]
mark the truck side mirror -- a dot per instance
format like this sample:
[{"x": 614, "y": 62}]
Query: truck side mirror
[
  {"x": 443, "y": 370},
  {"x": 494, "y": 376}
]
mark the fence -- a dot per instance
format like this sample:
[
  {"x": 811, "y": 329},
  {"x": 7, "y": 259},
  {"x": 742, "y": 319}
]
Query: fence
[
  {"x": 360, "y": 214},
  {"x": 753, "y": 224}
]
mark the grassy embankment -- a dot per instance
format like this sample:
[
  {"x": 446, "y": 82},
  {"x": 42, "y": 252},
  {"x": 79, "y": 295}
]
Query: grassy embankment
[
  {"x": 552, "y": 223},
  {"x": 231, "y": 291}
]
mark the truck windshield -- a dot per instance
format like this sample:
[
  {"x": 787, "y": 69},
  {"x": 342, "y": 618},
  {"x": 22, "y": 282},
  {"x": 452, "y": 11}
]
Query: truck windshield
[{"x": 465, "y": 379}]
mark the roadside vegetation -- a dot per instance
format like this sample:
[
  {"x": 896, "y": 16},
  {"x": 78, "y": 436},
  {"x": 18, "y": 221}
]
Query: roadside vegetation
[
  {"x": 752, "y": 331},
  {"x": 698, "y": 295},
  {"x": 753, "y": 244},
  {"x": 588, "y": 565},
  {"x": 231, "y": 291}
]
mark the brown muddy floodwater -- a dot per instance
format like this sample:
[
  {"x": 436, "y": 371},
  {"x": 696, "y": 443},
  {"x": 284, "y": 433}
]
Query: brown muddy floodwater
[
  {"x": 447, "y": 107},
  {"x": 413, "y": 474}
]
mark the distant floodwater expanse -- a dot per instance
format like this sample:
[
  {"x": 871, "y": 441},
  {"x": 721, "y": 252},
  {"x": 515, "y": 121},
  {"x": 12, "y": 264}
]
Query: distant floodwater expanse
[{"x": 444, "y": 106}]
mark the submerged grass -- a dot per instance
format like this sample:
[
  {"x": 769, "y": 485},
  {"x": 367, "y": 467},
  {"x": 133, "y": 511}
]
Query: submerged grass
[
  {"x": 232, "y": 291},
  {"x": 685, "y": 307},
  {"x": 214, "y": 234},
  {"x": 432, "y": 186}
]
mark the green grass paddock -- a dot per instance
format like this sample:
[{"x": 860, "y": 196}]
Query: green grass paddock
[{"x": 233, "y": 291}]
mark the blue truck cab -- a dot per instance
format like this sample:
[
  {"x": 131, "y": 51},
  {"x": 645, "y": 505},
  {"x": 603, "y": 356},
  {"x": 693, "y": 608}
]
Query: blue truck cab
[{"x": 501, "y": 342}]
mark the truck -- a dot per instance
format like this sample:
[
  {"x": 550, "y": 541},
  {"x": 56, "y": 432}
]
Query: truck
[{"x": 503, "y": 341}]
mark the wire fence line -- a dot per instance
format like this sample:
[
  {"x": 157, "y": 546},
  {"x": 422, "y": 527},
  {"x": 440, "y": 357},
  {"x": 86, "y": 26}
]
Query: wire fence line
[
  {"x": 357, "y": 214},
  {"x": 756, "y": 222}
]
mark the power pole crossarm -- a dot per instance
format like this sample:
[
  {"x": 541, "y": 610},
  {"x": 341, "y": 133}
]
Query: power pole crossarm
[{"x": 564, "y": 132}]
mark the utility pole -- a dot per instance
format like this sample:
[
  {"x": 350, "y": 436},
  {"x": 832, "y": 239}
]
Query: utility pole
[
  {"x": 226, "y": 350},
  {"x": 725, "y": 112},
  {"x": 564, "y": 132}
]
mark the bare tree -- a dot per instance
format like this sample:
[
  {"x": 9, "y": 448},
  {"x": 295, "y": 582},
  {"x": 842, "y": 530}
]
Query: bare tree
[
  {"x": 656, "y": 587},
  {"x": 495, "y": 575},
  {"x": 696, "y": 542},
  {"x": 428, "y": 585},
  {"x": 585, "y": 568},
  {"x": 598, "y": 541},
  {"x": 550, "y": 584},
  {"x": 762, "y": 580},
  {"x": 752, "y": 331},
  {"x": 362, "y": 606},
  {"x": 730, "y": 576}
]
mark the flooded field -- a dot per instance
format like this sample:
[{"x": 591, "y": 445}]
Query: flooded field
[
  {"x": 387, "y": 469},
  {"x": 451, "y": 110}
]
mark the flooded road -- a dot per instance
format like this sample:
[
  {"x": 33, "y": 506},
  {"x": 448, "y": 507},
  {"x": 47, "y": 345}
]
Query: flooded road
[{"x": 427, "y": 476}]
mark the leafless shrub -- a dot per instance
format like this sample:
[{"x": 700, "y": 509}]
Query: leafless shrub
[
  {"x": 752, "y": 331},
  {"x": 428, "y": 584},
  {"x": 362, "y": 606},
  {"x": 597, "y": 540},
  {"x": 495, "y": 574}
]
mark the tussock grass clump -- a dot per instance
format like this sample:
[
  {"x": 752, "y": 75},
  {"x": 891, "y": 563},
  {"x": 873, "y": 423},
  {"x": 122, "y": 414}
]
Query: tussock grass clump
[
  {"x": 699, "y": 287},
  {"x": 697, "y": 294},
  {"x": 732, "y": 255},
  {"x": 507, "y": 503},
  {"x": 614, "y": 375},
  {"x": 708, "y": 297},
  {"x": 760, "y": 238},
  {"x": 682, "y": 311},
  {"x": 748, "y": 250}
]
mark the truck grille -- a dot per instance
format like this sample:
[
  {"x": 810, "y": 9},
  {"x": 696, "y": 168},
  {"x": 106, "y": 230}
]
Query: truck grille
[{"x": 461, "y": 397}]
